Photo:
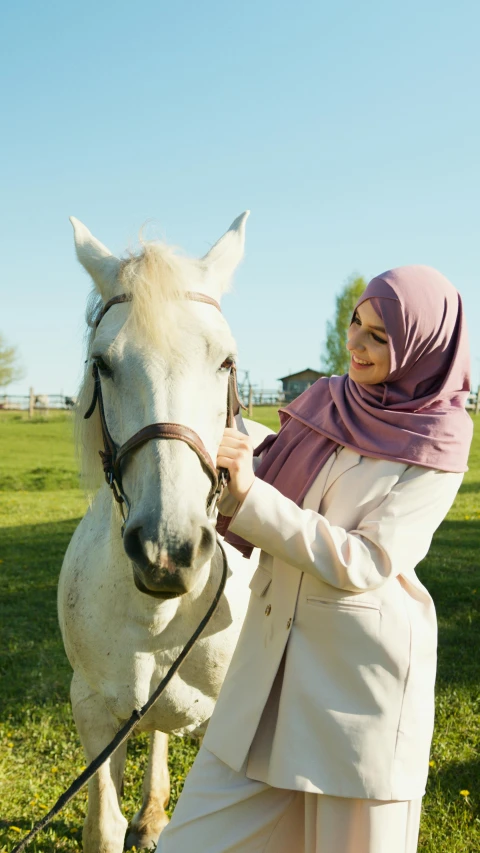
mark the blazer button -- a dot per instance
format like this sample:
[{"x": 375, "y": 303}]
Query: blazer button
[
  {"x": 289, "y": 623},
  {"x": 268, "y": 610}
]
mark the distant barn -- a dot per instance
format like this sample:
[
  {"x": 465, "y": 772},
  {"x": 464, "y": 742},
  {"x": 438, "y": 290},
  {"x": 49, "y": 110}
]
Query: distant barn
[{"x": 294, "y": 384}]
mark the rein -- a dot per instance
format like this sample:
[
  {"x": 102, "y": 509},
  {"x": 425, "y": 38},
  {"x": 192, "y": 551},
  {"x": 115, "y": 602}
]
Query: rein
[{"x": 112, "y": 457}]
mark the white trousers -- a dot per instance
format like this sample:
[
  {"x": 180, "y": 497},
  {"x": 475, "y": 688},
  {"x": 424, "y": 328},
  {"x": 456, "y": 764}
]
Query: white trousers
[{"x": 222, "y": 811}]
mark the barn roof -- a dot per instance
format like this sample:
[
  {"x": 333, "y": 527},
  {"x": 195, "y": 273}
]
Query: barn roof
[{"x": 308, "y": 373}]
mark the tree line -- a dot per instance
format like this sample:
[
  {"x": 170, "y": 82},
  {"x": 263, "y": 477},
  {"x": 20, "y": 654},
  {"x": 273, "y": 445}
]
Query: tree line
[{"x": 335, "y": 356}]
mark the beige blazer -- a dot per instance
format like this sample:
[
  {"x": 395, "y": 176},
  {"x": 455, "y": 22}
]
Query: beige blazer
[{"x": 331, "y": 686}]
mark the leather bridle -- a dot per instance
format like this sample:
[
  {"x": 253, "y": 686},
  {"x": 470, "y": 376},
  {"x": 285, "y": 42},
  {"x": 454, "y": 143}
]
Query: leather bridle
[{"x": 112, "y": 456}]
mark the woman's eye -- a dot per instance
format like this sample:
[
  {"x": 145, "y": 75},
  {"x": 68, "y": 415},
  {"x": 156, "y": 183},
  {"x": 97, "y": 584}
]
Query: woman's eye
[
  {"x": 102, "y": 365},
  {"x": 358, "y": 322},
  {"x": 227, "y": 364}
]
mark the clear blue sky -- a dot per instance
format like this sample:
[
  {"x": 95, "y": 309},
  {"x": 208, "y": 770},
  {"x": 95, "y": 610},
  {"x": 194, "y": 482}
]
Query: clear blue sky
[{"x": 351, "y": 130}]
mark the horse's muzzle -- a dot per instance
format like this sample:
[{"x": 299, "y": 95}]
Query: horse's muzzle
[{"x": 167, "y": 570}]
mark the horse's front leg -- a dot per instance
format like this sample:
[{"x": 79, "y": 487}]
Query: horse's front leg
[
  {"x": 150, "y": 820},
  {"x": 105, "y": 826}
]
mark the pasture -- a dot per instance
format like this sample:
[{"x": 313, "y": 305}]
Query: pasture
[{"x": 40, "y": 754}]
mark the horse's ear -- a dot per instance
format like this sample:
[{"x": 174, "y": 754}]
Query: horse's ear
[
  {"x": 103, "y": 267},
  {"x": 223, "y": 258}
]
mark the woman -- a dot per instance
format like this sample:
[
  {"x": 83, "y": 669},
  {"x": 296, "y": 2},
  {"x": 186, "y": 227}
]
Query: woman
[{"x": 319, "y": 742}]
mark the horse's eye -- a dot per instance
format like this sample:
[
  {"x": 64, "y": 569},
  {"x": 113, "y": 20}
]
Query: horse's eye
[
  {"x": 102, "y": 365},
  {"x": 227, "y": 364}
]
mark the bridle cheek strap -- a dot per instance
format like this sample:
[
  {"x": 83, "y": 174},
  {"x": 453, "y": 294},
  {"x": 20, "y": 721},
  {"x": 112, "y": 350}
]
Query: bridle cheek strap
[{"x": 112, "y": 456}]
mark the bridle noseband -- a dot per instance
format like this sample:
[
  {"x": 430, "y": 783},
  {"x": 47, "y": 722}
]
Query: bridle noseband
[{"x": 112, "y": 455}]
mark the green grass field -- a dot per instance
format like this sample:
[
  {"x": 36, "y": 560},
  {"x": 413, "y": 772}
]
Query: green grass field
[{"x": 40, "y": 754}]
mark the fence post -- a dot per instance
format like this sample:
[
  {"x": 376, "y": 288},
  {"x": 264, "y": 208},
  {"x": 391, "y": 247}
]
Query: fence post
[
  {"x": 250, "y": 402},
  {"x": 477, "y": 404},
  {"x": 31, "y": 403}
]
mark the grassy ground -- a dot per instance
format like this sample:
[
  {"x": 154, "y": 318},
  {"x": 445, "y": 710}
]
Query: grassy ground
[
  {"x": 39, "y": 748},
  {"x": 36, "y": 455}
]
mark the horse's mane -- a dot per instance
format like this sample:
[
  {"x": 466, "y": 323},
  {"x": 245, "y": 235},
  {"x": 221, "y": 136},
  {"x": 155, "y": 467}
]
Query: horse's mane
[{"x": 156, "y": 278}]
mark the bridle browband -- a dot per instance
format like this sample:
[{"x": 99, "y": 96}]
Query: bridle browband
[
  {"x": 112, "y": 455},
  {"x": 125, "y": 297}
]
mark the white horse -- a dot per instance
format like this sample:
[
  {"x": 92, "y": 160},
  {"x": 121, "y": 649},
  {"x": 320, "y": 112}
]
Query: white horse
[
  {"x": 42, "y": 401},
  {"x": 127, "y": 605}
]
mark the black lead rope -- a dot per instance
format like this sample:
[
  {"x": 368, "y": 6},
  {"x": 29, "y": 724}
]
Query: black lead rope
[{"x": 135, "y": 718}]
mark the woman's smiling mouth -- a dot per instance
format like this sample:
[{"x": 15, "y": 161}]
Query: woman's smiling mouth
[{"x": 358, "y": 364}]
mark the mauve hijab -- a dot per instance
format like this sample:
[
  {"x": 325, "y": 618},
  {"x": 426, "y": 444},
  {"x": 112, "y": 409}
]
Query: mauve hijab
[{"x": 416, "y": 416}]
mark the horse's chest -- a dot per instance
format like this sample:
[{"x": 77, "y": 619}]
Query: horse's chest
[
  {"x": 186, "y": 703},
  {"x": 126, "y": 663}
]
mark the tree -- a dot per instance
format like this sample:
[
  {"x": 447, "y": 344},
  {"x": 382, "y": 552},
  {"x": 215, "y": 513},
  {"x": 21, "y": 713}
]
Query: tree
[
  {"x": 10, "y": 369},
  {"x": 335, "y": 358}
]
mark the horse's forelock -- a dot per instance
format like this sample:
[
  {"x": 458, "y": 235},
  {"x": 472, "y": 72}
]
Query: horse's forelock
[{"x": 157, "y": 279}]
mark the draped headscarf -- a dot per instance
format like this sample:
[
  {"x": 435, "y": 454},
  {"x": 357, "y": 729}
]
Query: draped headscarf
[{"x": 416, "y": 415}]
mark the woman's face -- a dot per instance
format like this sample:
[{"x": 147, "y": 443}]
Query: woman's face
[{"x": 368, "y": 346}]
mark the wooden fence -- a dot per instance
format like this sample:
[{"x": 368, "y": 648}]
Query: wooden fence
[
  {"x": 250, "y": 396},
  {"x": 36, "y": 403}
]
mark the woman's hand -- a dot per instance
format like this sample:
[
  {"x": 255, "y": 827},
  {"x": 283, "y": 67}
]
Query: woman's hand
[{"x": 236, "y": 455}]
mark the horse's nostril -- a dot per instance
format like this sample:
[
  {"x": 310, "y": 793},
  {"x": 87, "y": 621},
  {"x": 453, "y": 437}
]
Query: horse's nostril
[
  {"x": 180, "y": 554},
  {"x": 206, "y": 544},
  {"x": 133, "y": 544}
]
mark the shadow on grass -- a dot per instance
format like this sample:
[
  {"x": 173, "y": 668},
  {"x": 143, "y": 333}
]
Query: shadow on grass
[
  {"x": 472, "y": 487},
  {"x": 40, "y": 480},
  {"x": 33, "y": 665},
  {"x": 25, "y": 824},
  {"x": 456, "y": 776},
  {"x": 451, "y": 573},
  {"x": 61, "y": 829}
]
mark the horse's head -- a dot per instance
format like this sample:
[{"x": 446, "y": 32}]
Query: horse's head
[{"x": 161, "y": 359}]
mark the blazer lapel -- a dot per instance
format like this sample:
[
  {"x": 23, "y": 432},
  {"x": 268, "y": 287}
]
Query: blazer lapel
[
  {"x": 336, "y": 465},
  {"x": 315, "y": 493},
  {"x": 344, "y": 460}
]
